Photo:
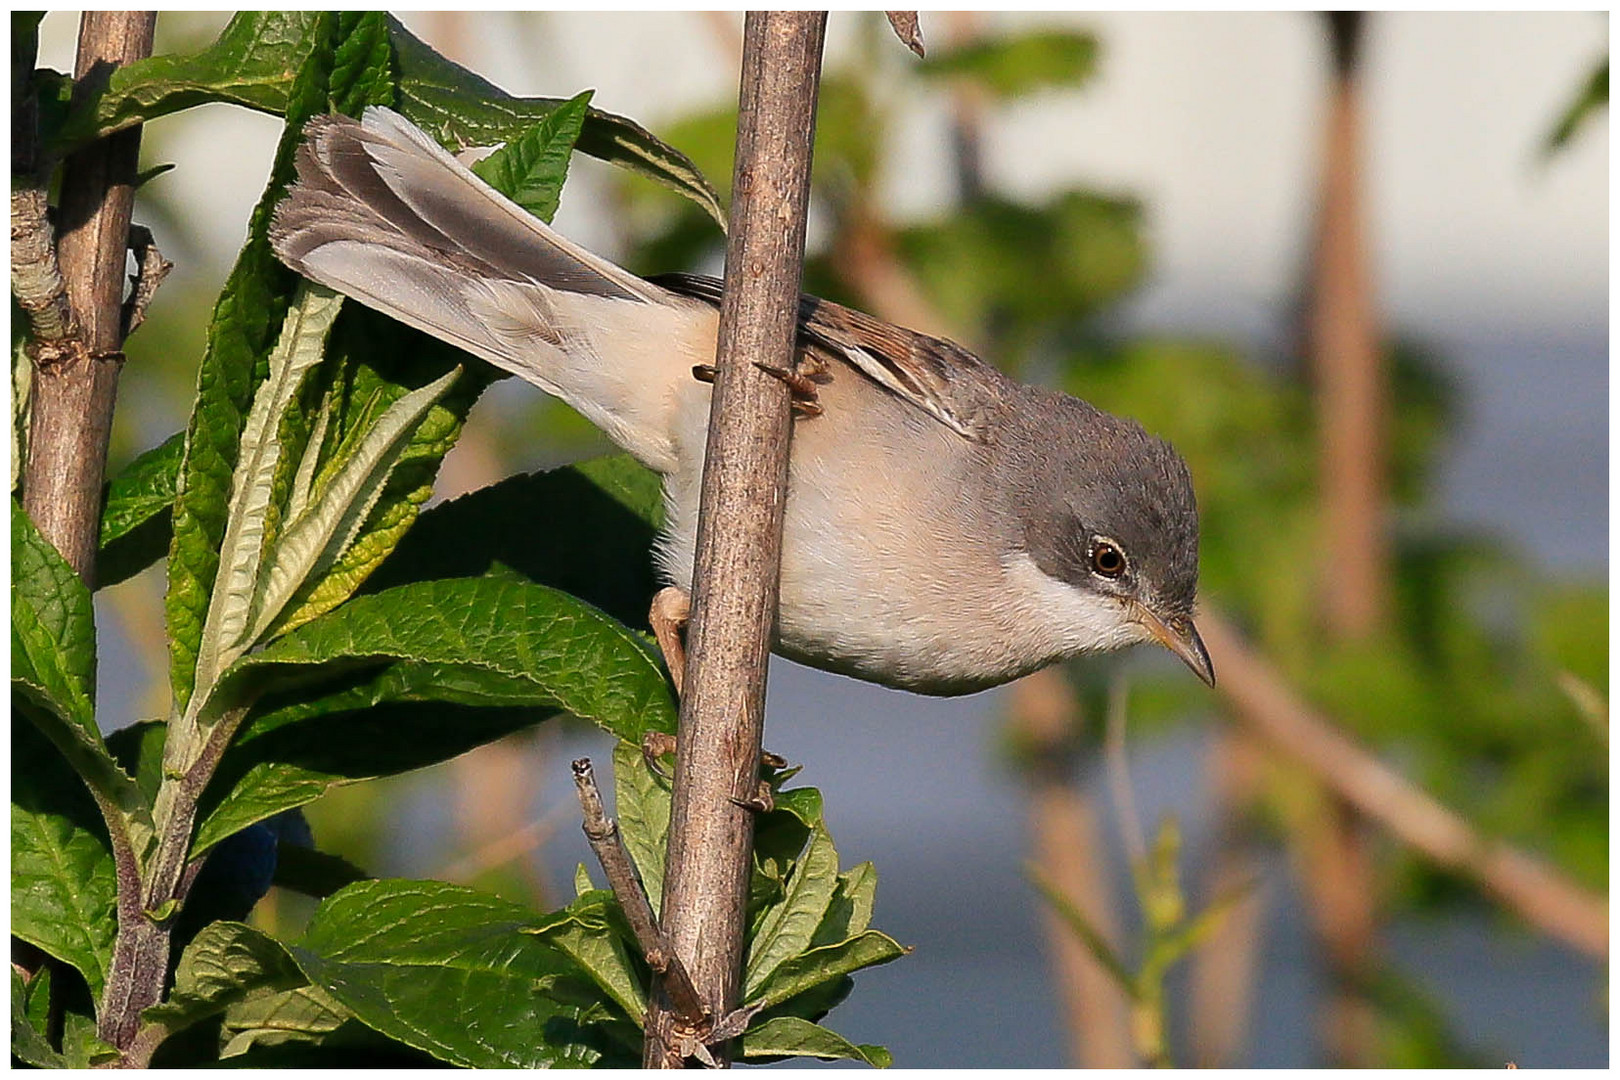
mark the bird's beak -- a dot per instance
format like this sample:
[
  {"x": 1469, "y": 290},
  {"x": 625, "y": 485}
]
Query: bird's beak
[{"x": 1180, "y": 636}]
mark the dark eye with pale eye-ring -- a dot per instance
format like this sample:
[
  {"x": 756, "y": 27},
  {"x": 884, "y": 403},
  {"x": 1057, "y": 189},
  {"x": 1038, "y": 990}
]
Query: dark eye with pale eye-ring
[{"x": 1107, "y": 559}]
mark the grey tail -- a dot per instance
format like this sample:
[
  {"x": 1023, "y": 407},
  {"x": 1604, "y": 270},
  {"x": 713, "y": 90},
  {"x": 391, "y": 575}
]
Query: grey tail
[{"x": 383, "y": 214}]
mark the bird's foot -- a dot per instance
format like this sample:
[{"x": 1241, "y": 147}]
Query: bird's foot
[
  {"x": 657, "y": 744},
  {"x": 801, "y": 382}
]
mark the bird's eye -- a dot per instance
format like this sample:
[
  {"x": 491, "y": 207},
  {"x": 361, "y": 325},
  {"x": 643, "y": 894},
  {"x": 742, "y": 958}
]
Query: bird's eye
[{"x": 1107, "y": 559}]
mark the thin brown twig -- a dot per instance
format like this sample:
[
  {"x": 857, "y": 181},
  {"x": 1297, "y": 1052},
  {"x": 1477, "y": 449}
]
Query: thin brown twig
[
  {"x": 602, "y": 832},
  {"x": 1267, "y": 705}
]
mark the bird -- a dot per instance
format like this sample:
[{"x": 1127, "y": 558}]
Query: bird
[{"x": 946, "y": 528}]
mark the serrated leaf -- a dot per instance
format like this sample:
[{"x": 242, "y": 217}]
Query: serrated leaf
[
  {"x": 531, "y": 168},
  {"x": 246, "y": 319},
  {"x": 463, "y": 110},
  {"x": 339, "y": 505},
  {"x": 449, "y": 970},
  {"x": 362, "y": 63},
  {"x": 224, "y": 963},
  {"x": 135, "y": 526},
  {"x": 377, "y": 362},
  {"x": 63, "y": 882},
  {"x": 251, "y": 63},
  {"x": 789, "y": 1036},
  {"x": 591, "y": 932},
  {"x": 55, "y": 647},
  {"x": 642, "y": 803},
  {"x": 53, "y": 658},
  {"x": 27, "y": 1041},
  {"x": 1012, "y": 67},
  {"x": 582, "y": 880},
  {"x": 810, "y": 969},
  {"x": 604, "y": 514},
  {"x": 273, "y": 1018},
  {"x": 572, "y": 655},
  {"x": 786, "y": 930},
  {"x": 229, "y": 627}
]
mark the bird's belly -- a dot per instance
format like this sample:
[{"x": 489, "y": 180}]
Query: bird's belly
[{"x": 878, "y": 580}]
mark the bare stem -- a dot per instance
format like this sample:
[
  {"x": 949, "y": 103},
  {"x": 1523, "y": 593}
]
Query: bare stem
[
  {"x": 602, "y": 832},
  {"x": 734, "y": 594}
]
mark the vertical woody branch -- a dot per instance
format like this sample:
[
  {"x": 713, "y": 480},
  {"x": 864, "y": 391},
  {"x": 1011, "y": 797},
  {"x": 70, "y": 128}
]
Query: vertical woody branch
[
  {"x": 73, "y": 389},
  {"x": 739, "y": 537}
]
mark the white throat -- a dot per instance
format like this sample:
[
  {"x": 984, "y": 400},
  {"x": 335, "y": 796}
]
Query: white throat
[{"x": 1071, "y": 619}]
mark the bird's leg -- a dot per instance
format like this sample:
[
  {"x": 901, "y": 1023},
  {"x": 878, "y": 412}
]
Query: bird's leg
[{"x": 671, "y": 608}]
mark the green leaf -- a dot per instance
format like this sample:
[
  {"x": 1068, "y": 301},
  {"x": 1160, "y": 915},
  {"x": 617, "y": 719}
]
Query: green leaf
[
  {"x": 530, "y": 169},
  {"x": 850, "y": 911},
  {"x": 230, "y": 626},
  {"x": 27, "y": 1041},
  {"x": 642, "y": 803},
  {"x": 224, "y": 963},
  {"x": 786, "y": 930},
  {"x": 1089, "y": 936},
  {"x": 376, "y": 363},
  {"x": 802, "y": 803},
  {"x": 604, "y": 514},
  {"x": 251, "y": 63},
  {"x": 450, "y": 971},
  {"x": 1012, "y": 67},
  {"x": 810, "y": 969},
  {"x": 63, "y": 882},
  {"x": 287, "y": 765},
  {"x": 53, "y": 631},
  {"x": 789, "y": 1036},
  {"x": 277, "y": 1017},
  {"x": 570, "y": 655},
  {"x": 81, "y": 1047},
  {"x": 53, "y": 660},
  {"x": 245, "y": 323},
  {"x": 135, "y": 518},
  {"x": 362, "y": 63},
  {"x": 462, "y": 110},
  {"x": 340, "y": 503},
  {"x": 592, "y": 932}
]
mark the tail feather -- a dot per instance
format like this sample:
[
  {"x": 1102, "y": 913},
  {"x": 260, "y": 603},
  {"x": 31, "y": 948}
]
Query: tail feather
[{"x": 381, "y": 213}]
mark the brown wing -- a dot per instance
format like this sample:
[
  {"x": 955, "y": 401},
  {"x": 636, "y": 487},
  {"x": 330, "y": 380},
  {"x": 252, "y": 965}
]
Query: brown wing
[{"x": 937, "y": 376}]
